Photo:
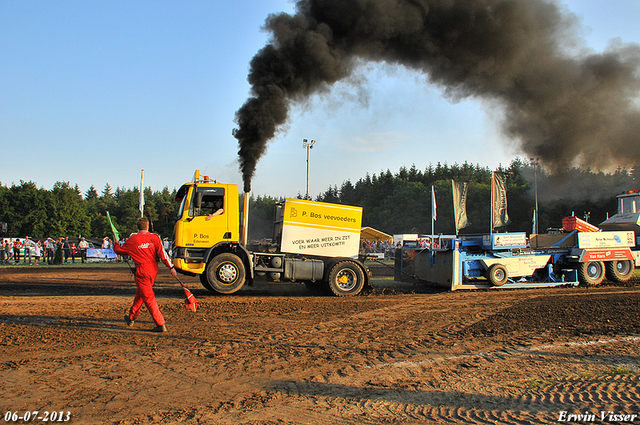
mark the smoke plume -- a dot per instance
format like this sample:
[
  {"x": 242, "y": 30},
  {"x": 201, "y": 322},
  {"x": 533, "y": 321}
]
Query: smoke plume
[{"x": 566, "y": 108}]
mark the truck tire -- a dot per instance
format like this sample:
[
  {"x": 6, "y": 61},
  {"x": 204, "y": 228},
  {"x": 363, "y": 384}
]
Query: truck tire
[
  {"x": 619, "y": 270},
  {"x": 591, "y": 273},
  {"x": 205, "y": 282},
  {"x": 345, "y": 279},
  {"x": 225, "y": 273},
  {"x": 497, "y": 275}
]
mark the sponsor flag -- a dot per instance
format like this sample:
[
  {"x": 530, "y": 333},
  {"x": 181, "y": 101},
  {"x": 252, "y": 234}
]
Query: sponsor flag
[
  {"x": 141, "y": 207},
  {"x": 460, "y": 204},
  {"x": 116, "y": 234},
  {"x": 499, "y": 216},
  {"x": 433, "y": 203},
  {"x": 533, "y": 222}
]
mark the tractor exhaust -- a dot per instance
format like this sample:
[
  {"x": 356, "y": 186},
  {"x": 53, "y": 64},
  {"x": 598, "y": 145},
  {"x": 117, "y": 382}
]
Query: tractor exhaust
[{"x": 245, "y": 219}]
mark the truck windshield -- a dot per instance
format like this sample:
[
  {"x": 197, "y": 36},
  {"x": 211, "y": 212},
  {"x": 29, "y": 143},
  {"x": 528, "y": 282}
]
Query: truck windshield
[
  {"x": 628, "y": 205},
  {"x": 181, "y": 210}
]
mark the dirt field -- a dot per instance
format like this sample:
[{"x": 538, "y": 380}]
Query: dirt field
[{"x": 279, "y": 354}]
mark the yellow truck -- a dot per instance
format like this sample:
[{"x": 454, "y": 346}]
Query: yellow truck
[{"x": 312, "y": 241}]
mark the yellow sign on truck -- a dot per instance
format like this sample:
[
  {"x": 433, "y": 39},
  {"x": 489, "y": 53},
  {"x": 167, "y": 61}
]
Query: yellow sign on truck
[{"x": 318, "y": 228}]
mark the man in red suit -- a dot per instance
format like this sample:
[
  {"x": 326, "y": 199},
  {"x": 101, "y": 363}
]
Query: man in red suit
[{"x": 145, "y": 249}]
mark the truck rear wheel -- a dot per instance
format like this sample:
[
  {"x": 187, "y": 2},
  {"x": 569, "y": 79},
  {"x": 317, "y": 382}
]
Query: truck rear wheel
[
  {"x": 225, "y": 273},
  {"x": 591, "y": 273},
  {"x": 619, "y": 270},
  {"x": 497, "y": 275},
  {"x": 345, "y": 279}
]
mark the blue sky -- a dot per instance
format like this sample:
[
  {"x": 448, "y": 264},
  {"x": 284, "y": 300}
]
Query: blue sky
[{"x": 93, "y": 92}]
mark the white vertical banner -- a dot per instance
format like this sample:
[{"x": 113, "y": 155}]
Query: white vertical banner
[
  {"x": 141, "y": 206},
  {"x": 433, "y": 209},
  {"x": 433, "y": 203}
]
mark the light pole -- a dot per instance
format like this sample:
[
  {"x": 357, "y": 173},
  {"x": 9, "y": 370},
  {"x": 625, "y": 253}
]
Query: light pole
[
  {"x": 308, "y": 146},
  {"x": 534, "y": 163}
]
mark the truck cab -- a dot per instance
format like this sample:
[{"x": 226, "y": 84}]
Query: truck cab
[
  {"x": 628, "y": 216},
  {"x": 627, "y": 219},
  {"x": 208, "y": 223}
]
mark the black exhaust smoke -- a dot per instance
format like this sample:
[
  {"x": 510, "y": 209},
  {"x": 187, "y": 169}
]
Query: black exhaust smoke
[{"x": 565, "y": 109}]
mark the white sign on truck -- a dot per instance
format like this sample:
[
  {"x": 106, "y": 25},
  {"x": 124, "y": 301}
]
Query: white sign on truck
[
  {"x": 519, "y": 266},
  {"x": 606, "y": 239},
  {"x": 504, "y": 241},
  {"x": 319, "y": 228}
]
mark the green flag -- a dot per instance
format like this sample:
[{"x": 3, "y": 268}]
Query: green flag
[{"x": 116, "y": 234}]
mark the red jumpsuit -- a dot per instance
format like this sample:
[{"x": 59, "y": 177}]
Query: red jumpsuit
[{"x": 145, "y": 249}]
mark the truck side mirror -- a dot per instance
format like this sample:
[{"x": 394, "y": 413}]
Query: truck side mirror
[{"x": 194, "y": 208}]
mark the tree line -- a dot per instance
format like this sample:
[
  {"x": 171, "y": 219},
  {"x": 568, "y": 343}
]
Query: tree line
[
  {"x": 394, "y": 203},
  {"x": 66, "y": 211},
  {"x": 401, "y": 202}
]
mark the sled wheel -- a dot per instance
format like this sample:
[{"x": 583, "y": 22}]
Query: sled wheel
[
  {"x": 497, "y": 275},
  {"x": 345, "y": 279},
  {"x": 591, "y": 273},
  {"x": 619, "y": 270},
  {"x": 225, "y": 273}
]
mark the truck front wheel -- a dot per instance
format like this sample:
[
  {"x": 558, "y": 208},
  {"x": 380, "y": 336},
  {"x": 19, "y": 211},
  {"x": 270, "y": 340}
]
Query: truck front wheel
[
  {"x": 225, "y": 273},
  {"x": 619, "y": 270},
  {"x": 591, "y": 273},
  {"x": 205, "y": 282},
  {"x": 346, "y": 279}
]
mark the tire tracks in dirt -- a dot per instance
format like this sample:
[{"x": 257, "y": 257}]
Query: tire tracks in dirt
[{"x": 263, "y": 359}]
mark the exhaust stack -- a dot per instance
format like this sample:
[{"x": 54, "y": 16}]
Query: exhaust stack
[{"x": 245, "y": 219}]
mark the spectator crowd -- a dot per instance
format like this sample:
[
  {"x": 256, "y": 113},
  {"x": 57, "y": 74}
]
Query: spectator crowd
[{"x": 46, "y": 251}]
